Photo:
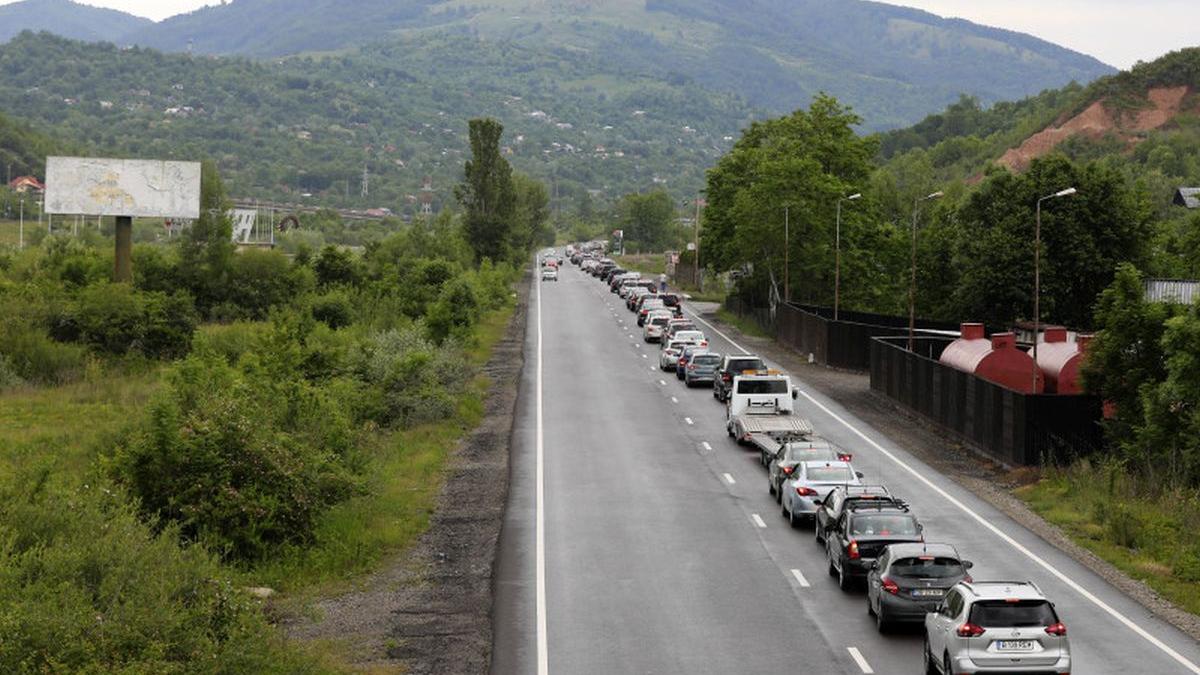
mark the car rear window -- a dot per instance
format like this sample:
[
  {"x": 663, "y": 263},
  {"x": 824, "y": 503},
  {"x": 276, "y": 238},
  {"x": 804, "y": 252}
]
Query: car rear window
[
  {"x": 651, "y": 303},
  {"x": 762, "y": 387},
  {"x": 738, "y": 365},
  {"x": 803, "y": 454},
  {"x": 883, "y": 525},
  {"x": 659, "y": 321},
  {"x": 927, "y": 567},
  {"x": 707, "y": 359},
  {"x": 1007, "y": 614},
  {"x": 829, "y": 474}
]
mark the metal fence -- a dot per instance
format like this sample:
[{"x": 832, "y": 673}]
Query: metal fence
[{"x": 1015, "y": 428}]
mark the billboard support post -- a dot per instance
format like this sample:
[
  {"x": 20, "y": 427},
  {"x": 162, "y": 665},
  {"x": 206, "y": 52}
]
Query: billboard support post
[{"x": 123, "y": 265}]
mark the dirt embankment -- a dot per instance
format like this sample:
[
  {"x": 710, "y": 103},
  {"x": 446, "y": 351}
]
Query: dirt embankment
[
  {"x": 429, "y": 610},
  {"x": 1097, "y": 121}
]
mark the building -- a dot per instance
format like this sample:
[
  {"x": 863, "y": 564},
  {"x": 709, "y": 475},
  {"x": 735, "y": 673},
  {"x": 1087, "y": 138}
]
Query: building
[
  {"x": 1189, "y": 197},
  {"x": 25, "y": 184},
  {"x": 1174, "y": 291}
]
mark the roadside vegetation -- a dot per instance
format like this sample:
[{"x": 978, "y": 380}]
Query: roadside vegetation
[{"x": 233, "y": 421}]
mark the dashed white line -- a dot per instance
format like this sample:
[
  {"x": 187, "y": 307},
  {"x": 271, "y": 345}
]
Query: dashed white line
[
  {"x": 858, "y": 658},
  {"x": 644, "y": 356},
  {"x": 758, "y": 521},
  {"x": 800, "y": 578},
  {"x": 674, "y": 400},
  {"x": 663, "y": 382},
  {"x": 1128, "y": 623},
  {"x": 728, "y": 477},
  {"x": 688, "y": 420},
  {"x": 706, "y": 446}
]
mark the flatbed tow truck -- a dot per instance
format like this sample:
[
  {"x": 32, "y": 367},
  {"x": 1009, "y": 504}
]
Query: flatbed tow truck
[{"x": 760, "y": 412}]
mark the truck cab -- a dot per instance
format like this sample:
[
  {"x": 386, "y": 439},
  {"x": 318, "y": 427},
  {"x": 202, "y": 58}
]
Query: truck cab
[{"x": 761, "y": 393}]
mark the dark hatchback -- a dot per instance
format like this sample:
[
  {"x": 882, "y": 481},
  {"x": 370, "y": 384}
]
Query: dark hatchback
[
  {"x": 858, "y": 537},
  {"x": 702, "y": 369},
  {"x": 907, "y": 581}
]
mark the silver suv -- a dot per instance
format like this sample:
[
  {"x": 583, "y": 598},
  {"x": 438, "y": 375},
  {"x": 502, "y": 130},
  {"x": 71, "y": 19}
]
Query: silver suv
[{"x": 995, "y": 627}]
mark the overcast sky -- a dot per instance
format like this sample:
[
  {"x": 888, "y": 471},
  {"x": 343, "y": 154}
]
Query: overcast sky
[{"x": 1118, "y": 32}]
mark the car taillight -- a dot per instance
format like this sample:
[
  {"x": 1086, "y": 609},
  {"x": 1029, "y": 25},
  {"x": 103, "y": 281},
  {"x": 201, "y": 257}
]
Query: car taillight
[
  {"x": 1057, "y": 629},
  {"x": 726, "y": 377},
  {"x": 968, "y": 579},
  {"x": 787, "y": 470},
  {"x": 845, "y": 457},
  {"x": 890, "y": 586},
  {"x": 692, "y": 367},
  {"x": 806, "y": 491},
  {"x": 969, "y": 630},
  {"x": 852, "y": 550}
]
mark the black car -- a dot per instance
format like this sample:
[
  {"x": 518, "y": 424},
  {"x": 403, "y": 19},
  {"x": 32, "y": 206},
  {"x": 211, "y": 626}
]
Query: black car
[
  {"x": 859, "y": 537},
  {"x": 907, "y": 581},
  {"x": 734, "y": 366},
  {"x": 849, "y": 498}
]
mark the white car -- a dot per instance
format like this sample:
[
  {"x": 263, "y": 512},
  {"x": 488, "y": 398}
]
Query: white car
[
  {"x": 671, "y": 349},
  {"x": 549, "y": 274},
  {"x": 656, "y": 324}
]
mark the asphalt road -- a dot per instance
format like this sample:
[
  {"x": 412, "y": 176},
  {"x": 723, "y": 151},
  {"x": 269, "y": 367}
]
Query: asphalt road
[{"x": 662, "y": 552}]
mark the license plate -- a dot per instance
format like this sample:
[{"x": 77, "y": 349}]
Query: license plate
[
  {"x": 928, "y": 593},
  {"x": 1014, "y": 645}
]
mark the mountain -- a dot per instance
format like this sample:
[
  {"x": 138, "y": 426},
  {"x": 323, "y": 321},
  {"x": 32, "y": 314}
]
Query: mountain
[
  {"x": 892, "y": 64},
  {"x": 68, "y": 19}
]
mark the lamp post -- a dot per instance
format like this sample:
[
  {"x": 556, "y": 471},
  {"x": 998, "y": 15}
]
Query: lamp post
[
  {"x": 912, "y": 284},
  {"x": 787, "y": 260},
  {"x": 21, "y": 227},
  {"x": 1037, "y": 276},
  {"x": 837, "y": 269}
]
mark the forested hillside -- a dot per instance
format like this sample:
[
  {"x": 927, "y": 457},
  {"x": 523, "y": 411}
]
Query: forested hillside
[
  {"x": 311, "y": 125},
  {"x": 68, "y": 19}
]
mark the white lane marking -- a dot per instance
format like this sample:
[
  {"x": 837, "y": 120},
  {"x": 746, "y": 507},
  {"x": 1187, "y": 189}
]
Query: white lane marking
[
  {"x": 758, "y": 521},
  {"x": 706, "y": 446},
  {"x": 718, "y": 332},
  {"x": 663, "y": 382},
  {"x": 800, "y": 578},
  {"x": 858, "y": 658},
  {"x": 652, "y": 369},
  {"x": 1182, "y": 660},
  {"x": 644, "y": 356},
  {"x": 674, "y": 400},
  {"x": 728, "y": 477},
  {"x": 543, "y": 658},
  {"x": 688, "y": 420}
]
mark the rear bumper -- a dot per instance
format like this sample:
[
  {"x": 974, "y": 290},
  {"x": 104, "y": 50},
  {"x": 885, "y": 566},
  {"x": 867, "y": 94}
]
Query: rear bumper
[
  {"x": 966, "y": 665},
  {"x": 906, "y": 610}
]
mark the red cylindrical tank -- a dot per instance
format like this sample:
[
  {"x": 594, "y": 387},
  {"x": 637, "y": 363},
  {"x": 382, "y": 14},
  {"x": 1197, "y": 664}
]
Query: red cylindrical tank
[
  {"x": 1060, "y": 361},
  {"x": 996, "y": 360}
]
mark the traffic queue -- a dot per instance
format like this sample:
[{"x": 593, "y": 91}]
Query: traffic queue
[{"x": 870, "y": 536}]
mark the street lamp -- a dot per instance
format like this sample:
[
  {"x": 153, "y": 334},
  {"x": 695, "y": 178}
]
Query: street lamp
[
  {"x": 21, "y": 228},
  {"x": 912, "y": 284},
  {"x": 837, "y": 273},
  {"x": 1037, "y": 276}
]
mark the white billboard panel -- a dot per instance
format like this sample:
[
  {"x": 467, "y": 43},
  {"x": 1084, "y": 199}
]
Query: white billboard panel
[{"x": 122, "y": 187}]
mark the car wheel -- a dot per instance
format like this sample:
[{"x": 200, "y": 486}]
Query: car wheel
[
  {"x": 779, "y": 495},
  {"x": 832, "y": 570},
  {"x": 927, "y": 657},
  {"x": 844, "y": 580},
  {"x": 771, "y": 488},
  {"x": 945, "y": 665},
  {"x": 870, "y": 606},
  {"x": 817, "y": 531},
  {"x": 881, "y": 621},
  {"x": 783, "y": 509}
]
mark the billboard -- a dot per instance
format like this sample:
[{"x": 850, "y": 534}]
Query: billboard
[{"x": 122, "y": 187}]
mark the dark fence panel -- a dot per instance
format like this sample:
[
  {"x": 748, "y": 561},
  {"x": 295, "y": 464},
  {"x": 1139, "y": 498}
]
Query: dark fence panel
[{"x": 1015, "y": 428}]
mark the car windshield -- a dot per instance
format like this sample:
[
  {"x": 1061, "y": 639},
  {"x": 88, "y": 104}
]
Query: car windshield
[
  {"x": 829, "y": 474},
  {"x": 707, "y": 359},
  {"x": 651, "y": 303},
  {"x": 738, "y": 365},
  {"x": 799, "y": 453},
  {"x": 927, "y": 567},
  {"x": 762, "y": 387},
  {"x": 1008, "y": 614},
  {"x": 693, "y": 335},
  {"x": 658, "y": 321},
  {"x": 884, "y": 525}
]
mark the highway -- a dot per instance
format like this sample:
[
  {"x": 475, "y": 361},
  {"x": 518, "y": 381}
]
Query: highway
[{"x": 653, "y": 546}]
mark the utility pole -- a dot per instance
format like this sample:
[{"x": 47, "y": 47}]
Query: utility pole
[
  {"x": 696, "y": 261},
  {"x": 366, "y": 181},
  {"x": 837, "y": 270},
  {"x": 787, "y": 265},
  {"x": 912, "y": 285},
  {"x": 21, "y": 227},
  {"x": 1037, "y": 278}
]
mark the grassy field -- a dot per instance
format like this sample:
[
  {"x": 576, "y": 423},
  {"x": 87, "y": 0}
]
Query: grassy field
[
  {"x": 745, "y": 325},
  {"x": 656, "y": 264},
  {"x": 1147, "y": 534}
]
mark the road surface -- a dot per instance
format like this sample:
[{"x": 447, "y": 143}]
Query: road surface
[{"x": 660, "y": 551}]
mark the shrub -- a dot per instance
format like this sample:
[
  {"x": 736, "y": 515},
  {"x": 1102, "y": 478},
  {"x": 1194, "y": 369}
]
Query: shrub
[
  {"x": 333, "y": 309},
  {"x": 88, "y": 588},
  {"x": 418, "y": 381},
  {"x": 337, "y": 266},
  {"x": 455, "y": 312},
  {"x": 33, "y": 356},
  {"x": 9, "y": 378},
  {"x": 262, "y": 280},
  {"x": 230, "y": 341},
  {"x": 243, "y": 460},
  {"x": 117, "y": 319}
]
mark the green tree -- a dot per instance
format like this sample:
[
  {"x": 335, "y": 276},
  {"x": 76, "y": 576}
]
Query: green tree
[
  {"x": 531, "y": 224},
  {"x": 207, "y": 249},
  {"x": 487, "y": 193},
  {"x": 647, "y": 219}
]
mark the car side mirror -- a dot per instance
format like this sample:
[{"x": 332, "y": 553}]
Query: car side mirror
[
  {"x": 860, "y": 474},
  {"x": 967, "y": 564},
  {"x": 795, "y": 393},
  {"x": 874, "y": 565},
  {"x": 819, "y": 502}
]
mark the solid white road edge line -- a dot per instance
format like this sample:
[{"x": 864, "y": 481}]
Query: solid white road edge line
[
  {"x": 858, "y": 658},
  {"x": 758, "y": 521},
  {"x": 800, "y": 578},
  {"x": 728, "y": 477},
  {"x": 1179, "y": 658},
  {"x": 543, "y": 659}
]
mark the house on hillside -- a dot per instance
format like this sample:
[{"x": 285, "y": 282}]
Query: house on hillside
[
  {"x": 1189, "y": 197},
  {"x": 25, "y": 184}
]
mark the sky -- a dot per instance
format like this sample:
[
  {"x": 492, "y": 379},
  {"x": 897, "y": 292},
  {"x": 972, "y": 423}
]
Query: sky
[{"x": 1118, "y": 32}]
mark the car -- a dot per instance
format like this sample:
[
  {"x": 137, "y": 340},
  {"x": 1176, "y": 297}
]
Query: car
[
  {"x": 996, "y": 627},
  {"x": 693, "y": 335},
  {"x": 859, "y": 536},
  {"x": 788, "y": 455},
  {"x": 615, "y": 281},
  {"x": 908, "y": 581},
  {"x": 648, "y": 303},
  {"x": 686, "y": 356},
  {"x": 656, "y": 322},
  {"x": 634, "y": 296},
  {"x": 808, "y": 483},
  {"x": 731, "y": 368},
  {"x": 550, "y": 274},
  {"x": 676, "y": 325},
  {"x": 849, "y": 498},
  {"x": 636, "y": 305},
  {"x": 701, "y": 369},
  {"x": 668, "y": 356}
]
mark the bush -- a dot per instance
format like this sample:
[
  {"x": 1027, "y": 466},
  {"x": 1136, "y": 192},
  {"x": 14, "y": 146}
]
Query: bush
[
  {"x": 337, "y": 266},
  {"x": 333, "y": 309},
  {"x": 230, "y": 341},
  {"x": 9, "y": 378},
  {"x": 33, "y": 356},
  {"x": 454, "y": 313},
  {"x": 262, "y": 280},
  {"x": 116, "y": 319},
  {"x": 243, "y": 460},
  {"x": 87, "y": 588},
  {"x": 418, "y": 381}
]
